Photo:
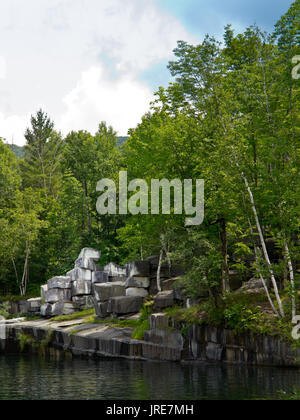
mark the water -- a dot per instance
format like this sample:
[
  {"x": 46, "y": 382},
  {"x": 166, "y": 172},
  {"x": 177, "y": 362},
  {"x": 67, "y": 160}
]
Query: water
[{"x": 30, "y": 377}]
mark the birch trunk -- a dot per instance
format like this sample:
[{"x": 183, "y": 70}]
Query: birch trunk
[
  {"x": 261, "y": 276},
  {"x": 166, "y": 249},
  {"x": 23, "y": 285},
  {"x": 292, "y": 277},
  {"x": 225, "y": 268},
  {"x": 89, "y": 223},
  {"x": 263, "y": 245},
  {"x": 158, "y": 270},
  {"x": 15, "y": 270}
]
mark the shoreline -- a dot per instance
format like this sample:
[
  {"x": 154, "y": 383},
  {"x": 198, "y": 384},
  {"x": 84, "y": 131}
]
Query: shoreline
[{"x": 200, "y": 344}]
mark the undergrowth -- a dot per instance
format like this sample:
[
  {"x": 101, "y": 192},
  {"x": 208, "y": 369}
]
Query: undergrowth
[
  {"x": 76, "y": 315},
  {"x": 238, "y": 312}
]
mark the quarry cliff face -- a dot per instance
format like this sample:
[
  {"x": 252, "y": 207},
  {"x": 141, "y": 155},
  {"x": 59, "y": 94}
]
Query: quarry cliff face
[{"x": 164, "y": 341}]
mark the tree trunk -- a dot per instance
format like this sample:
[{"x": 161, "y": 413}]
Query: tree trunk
[
  {"x": 23, "y": 285},
  {"x": 263, "y": 245},
  {"x": 15, "y": 270},
  {"x": 292, "y": 277},
  {"x": 166, "y": 250},
  {"x": 89, "y": 224},
  {"x": 261, "y": 277},
  {"x": 158, "y": 270},
  {"x": 225, "y": 268}
]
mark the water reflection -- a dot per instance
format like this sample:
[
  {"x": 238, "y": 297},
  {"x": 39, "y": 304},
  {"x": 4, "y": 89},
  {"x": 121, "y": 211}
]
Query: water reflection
[{"x": 28, "y": 377}]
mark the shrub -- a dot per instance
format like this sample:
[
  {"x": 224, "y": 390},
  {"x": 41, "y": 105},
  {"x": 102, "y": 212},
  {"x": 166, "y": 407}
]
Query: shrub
[
  {"x": 4, "y": 309},
  {"x": 241, "y": 317}
]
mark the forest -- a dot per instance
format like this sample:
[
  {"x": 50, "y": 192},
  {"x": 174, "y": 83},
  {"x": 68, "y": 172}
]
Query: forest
[{"x": 231, "y": 118}]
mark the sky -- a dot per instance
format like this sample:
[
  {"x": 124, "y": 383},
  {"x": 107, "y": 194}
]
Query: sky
[{"x": 87, "y": 61}]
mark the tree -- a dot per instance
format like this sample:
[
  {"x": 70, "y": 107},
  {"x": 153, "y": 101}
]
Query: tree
[
  {"x": 42, "y": 155},
  {"x": 231, "y": 118},
  {"x": 19, "y": 223}
]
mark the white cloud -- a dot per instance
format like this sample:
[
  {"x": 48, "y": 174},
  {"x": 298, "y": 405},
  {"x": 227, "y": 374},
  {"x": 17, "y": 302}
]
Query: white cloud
[
  {"x": 2, "y": 68},
  {"x": 120, "y": 102},
  {"x": 13, "y": 128},
  {"x": 81, "y": 60}
]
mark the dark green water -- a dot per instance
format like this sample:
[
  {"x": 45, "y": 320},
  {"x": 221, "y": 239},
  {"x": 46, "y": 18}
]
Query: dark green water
[{"x": 30, "y": 377}]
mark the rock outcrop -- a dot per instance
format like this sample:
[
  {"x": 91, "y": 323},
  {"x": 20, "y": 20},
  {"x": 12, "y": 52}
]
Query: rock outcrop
[{"x": 110, "y": 289}]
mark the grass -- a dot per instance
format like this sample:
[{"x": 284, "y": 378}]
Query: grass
[
  {"x": 239, "y": 312},
  {"x": 139, "y": 332},
  {"x": 26, "y": 340},
  {"x": 16, "y": 298},
  {"x": 126, "y": 323},
  {"x": 32, "y": 318},
  {"x": 76, "y": 315},
  {"x": 294, "y": 395},
  {"x": 140, "y": 325},
  {"x": 4, "y": 309}
]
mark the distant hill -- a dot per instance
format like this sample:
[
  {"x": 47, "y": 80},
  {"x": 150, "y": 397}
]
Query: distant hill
[
  {"x": 121, "y": 140},
  {"x": 17, "y": 150}
]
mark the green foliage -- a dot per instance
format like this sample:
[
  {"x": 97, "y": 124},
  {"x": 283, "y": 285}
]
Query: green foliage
[
  {"x": 231, "y": 114},
  {"x": 4, "y": 309},
  {"x": 16, "y": 298},
  {"x": 140, "y": 325},
  {"x": 47, "y": 340},
  {"x": 241, "y": 318},
  {"x": 26, "y": 340},
  {"x": 138, "y": 333},
  {"x": 76, "y": 315},
  {"x": 293, "y": 395},
  {"x": 17, "y": 150}
]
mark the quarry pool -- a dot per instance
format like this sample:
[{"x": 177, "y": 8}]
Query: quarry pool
[{"x": 32, "y": 378}]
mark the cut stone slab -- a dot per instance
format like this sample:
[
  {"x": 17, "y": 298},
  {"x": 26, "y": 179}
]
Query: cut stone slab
[
  {"x": 44, "y": 289},
  {"x": 252, "y": 286},
  {"x": 101, "y": 309},
  {"x": 100, "y": 277},
  {"x": 103, "y": 292},
  {"x": 22, "y": 306},
  {"x": 189, "y": 303},
  {"x": 174, "y": 271},
  {"x": 235, "y": 280},
  {"x": 153, "y": 290},
  {"x": 90, "y": 253},
  {"x": 140, "y": 282},
  {"x": 34, "y": 305},
  {"x": 48, "y": 310},
  {"x": 57, "y": 309},
  {"x": 80, "y": 274},
  {"x": 87, "y": 259},
  {"x": 138, "y": 268},
  {"x": 83, "y": 302},
  {"x": 163, "y": 300},
  {"x": 214, "y": 352},
  {"x": 59, "y": 283},
  {"x": 86, "y": 263},
  {"x": 168, "y": 284},
  {"x": 158, "y": 321},
  {"x": 124, "y": 305},
  {"x": 57, "y": 295},
  {"x": 117, "y": 278},
  {"x": 69, "y": 308},
  {"x": 114, "y": 270},
  {"x": 165, "y": 337},
  {"x": 81, "y": 287},
  {"x": 178, "y": 294},
  {"x": 135, "y": 291}
]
